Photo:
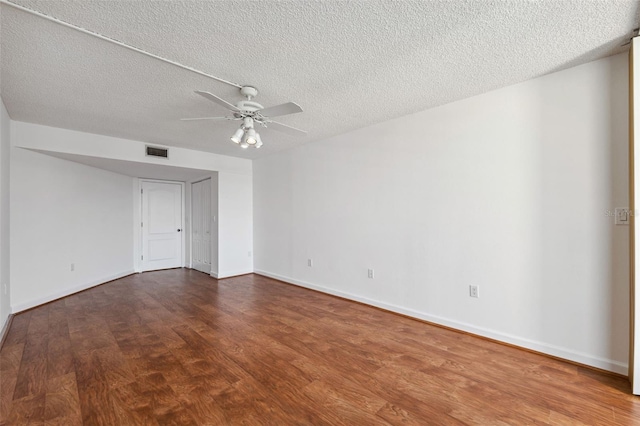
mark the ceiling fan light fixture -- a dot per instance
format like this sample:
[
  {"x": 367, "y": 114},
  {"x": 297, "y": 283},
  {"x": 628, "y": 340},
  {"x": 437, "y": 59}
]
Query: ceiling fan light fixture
[
  {"x": 237, "y": 136},
  {"x": 250, "y": 113},
  {"x": 251, "y": 137}
]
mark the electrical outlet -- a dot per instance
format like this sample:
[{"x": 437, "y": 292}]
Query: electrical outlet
[
  {"x": 309, "y": 263},
  {"x": 474, "y": 291},
  {"x": 73, "y": 267},
  {"x": 370, "y": 273}
]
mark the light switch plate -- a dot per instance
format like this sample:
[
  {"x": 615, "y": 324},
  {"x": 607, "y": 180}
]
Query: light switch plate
[{"x": 622, "y": 216}]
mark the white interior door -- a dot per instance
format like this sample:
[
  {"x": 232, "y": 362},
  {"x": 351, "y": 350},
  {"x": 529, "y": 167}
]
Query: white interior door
[
  {"x": 161, "y": 225},
  {"x": 201, "y": 225}
]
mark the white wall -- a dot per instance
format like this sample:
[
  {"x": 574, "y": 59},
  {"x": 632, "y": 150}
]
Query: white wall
[
  {"x": 235, "y": 232},
  {"x": 507, "y": 190},
  {"x": 63, "y": 213},
  {"x": 5, "y": 283},
  {"x": 38, "y": 137},
  {"x": 235, "y": 224}
]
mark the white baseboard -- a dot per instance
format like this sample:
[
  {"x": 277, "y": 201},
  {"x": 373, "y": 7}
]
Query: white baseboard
[
  {"x": 214, "y": 274},
  {"x": 5, "y": 329},
  {"x": 556, "y": 351},
  {"x": 229, "y": 274},
  {"x": 65, "y": 292}
]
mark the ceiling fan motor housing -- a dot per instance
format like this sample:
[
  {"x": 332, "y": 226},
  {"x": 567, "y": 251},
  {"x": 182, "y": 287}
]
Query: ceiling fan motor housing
[
  {"x": 249, "y": 92},
  {"x": 249, "y": 106}
]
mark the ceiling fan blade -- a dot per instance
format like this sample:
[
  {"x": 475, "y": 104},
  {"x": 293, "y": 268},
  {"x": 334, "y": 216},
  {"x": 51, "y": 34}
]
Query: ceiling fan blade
[
  {"x": 208, "y": 118},
  {"x": 285, "y": 129},
  {"x": 218, "y": 100},
  {"x": 282, "y": 109}
]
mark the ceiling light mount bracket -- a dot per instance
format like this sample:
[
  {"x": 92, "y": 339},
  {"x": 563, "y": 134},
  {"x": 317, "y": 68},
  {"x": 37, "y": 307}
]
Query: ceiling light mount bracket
[{"x": 249, "y": 92}]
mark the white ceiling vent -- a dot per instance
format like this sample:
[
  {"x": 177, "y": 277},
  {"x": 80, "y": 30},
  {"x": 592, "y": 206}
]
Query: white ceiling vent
[{"x": 154, "y": 151}]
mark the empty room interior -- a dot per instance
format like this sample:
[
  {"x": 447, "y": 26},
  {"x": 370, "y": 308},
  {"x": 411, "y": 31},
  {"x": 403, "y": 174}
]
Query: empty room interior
[{"x": 319, "y": 212}]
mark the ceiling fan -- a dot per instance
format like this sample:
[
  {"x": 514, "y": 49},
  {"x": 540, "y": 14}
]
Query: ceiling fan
[{"x": 252, "y": 113}]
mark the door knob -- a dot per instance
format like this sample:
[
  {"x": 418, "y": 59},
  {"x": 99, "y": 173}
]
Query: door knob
[{"x": 179, "y": 230}]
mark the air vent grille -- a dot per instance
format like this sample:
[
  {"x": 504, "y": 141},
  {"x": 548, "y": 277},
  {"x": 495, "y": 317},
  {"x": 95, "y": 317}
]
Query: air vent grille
[{"x": 154, "y": 151}]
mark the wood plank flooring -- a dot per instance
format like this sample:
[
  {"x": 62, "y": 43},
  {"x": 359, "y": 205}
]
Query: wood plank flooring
[{"x": 178, "y": 347}]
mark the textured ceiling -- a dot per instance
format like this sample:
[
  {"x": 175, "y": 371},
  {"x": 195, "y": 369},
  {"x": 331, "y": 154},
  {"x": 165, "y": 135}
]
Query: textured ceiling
[{"x": 348, "y": 64}]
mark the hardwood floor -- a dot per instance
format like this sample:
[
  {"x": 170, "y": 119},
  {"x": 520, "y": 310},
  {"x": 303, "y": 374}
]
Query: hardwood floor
[{"x": 178, "y": 347}]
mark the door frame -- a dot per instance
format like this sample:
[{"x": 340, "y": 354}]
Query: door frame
[
  {"x": 632, "y": 223},
  {"x": 138, "y": 220}
]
